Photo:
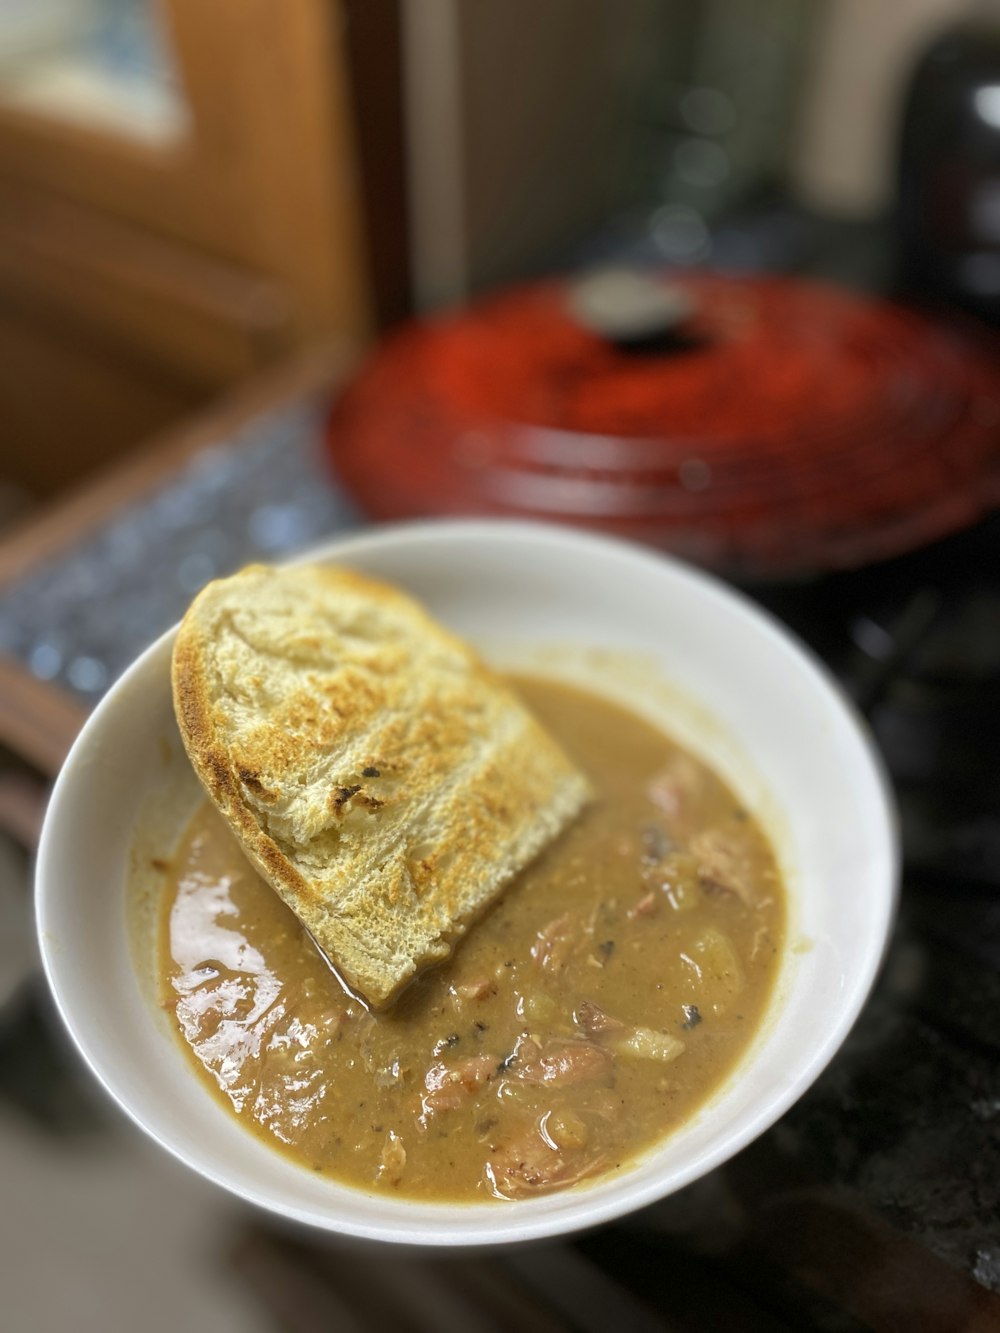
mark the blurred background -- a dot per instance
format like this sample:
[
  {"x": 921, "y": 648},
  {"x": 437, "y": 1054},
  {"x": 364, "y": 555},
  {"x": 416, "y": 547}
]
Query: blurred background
[
  {"x": 723, "y": 277},
  {"x": 187, "y": 198}
]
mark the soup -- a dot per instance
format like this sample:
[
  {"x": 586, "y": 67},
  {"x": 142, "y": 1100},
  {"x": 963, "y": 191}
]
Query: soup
[{"x": 585, "y": 1016}]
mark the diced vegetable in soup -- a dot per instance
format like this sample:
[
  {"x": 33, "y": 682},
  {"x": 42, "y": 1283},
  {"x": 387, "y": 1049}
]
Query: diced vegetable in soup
[{"x": 591, "y": 1012}]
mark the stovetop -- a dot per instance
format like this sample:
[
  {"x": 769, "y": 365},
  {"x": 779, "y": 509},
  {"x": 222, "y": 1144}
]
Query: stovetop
[
  {"x": 916, "y": 644},
  {"x": 895, "y": 1152}
]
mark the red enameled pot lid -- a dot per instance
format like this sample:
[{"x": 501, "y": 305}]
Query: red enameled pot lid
[{"x": 782, "y": 428}]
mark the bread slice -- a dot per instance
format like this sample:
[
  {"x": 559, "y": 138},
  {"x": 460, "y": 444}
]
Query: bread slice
[{"x": 379, "y": 776}]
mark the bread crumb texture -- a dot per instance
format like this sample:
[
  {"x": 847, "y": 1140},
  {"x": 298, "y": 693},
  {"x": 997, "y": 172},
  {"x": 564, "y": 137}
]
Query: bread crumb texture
[{"x": 379, "y": 776}]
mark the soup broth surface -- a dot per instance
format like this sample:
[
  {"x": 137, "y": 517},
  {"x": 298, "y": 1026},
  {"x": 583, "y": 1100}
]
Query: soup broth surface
[{"x": 585, "y": 1016}]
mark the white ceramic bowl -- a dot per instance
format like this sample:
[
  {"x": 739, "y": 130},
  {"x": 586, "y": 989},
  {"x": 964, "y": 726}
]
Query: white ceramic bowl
[{"x": 671, "y": 641}]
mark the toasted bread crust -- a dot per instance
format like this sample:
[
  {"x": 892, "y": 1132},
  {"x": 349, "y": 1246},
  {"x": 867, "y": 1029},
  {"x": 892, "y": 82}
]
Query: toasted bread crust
[{"x": 379, "y": 776}]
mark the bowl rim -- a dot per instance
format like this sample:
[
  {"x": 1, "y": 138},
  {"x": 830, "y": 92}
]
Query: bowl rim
[{"x": 590, "y": 1210}]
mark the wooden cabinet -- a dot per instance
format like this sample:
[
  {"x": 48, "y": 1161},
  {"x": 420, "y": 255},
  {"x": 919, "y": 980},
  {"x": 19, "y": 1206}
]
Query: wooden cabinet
[{"x": 139, "y": 274}]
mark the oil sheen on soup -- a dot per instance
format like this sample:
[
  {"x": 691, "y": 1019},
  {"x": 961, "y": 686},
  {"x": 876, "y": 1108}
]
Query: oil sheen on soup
[{"x": 588, "y": 1014}]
